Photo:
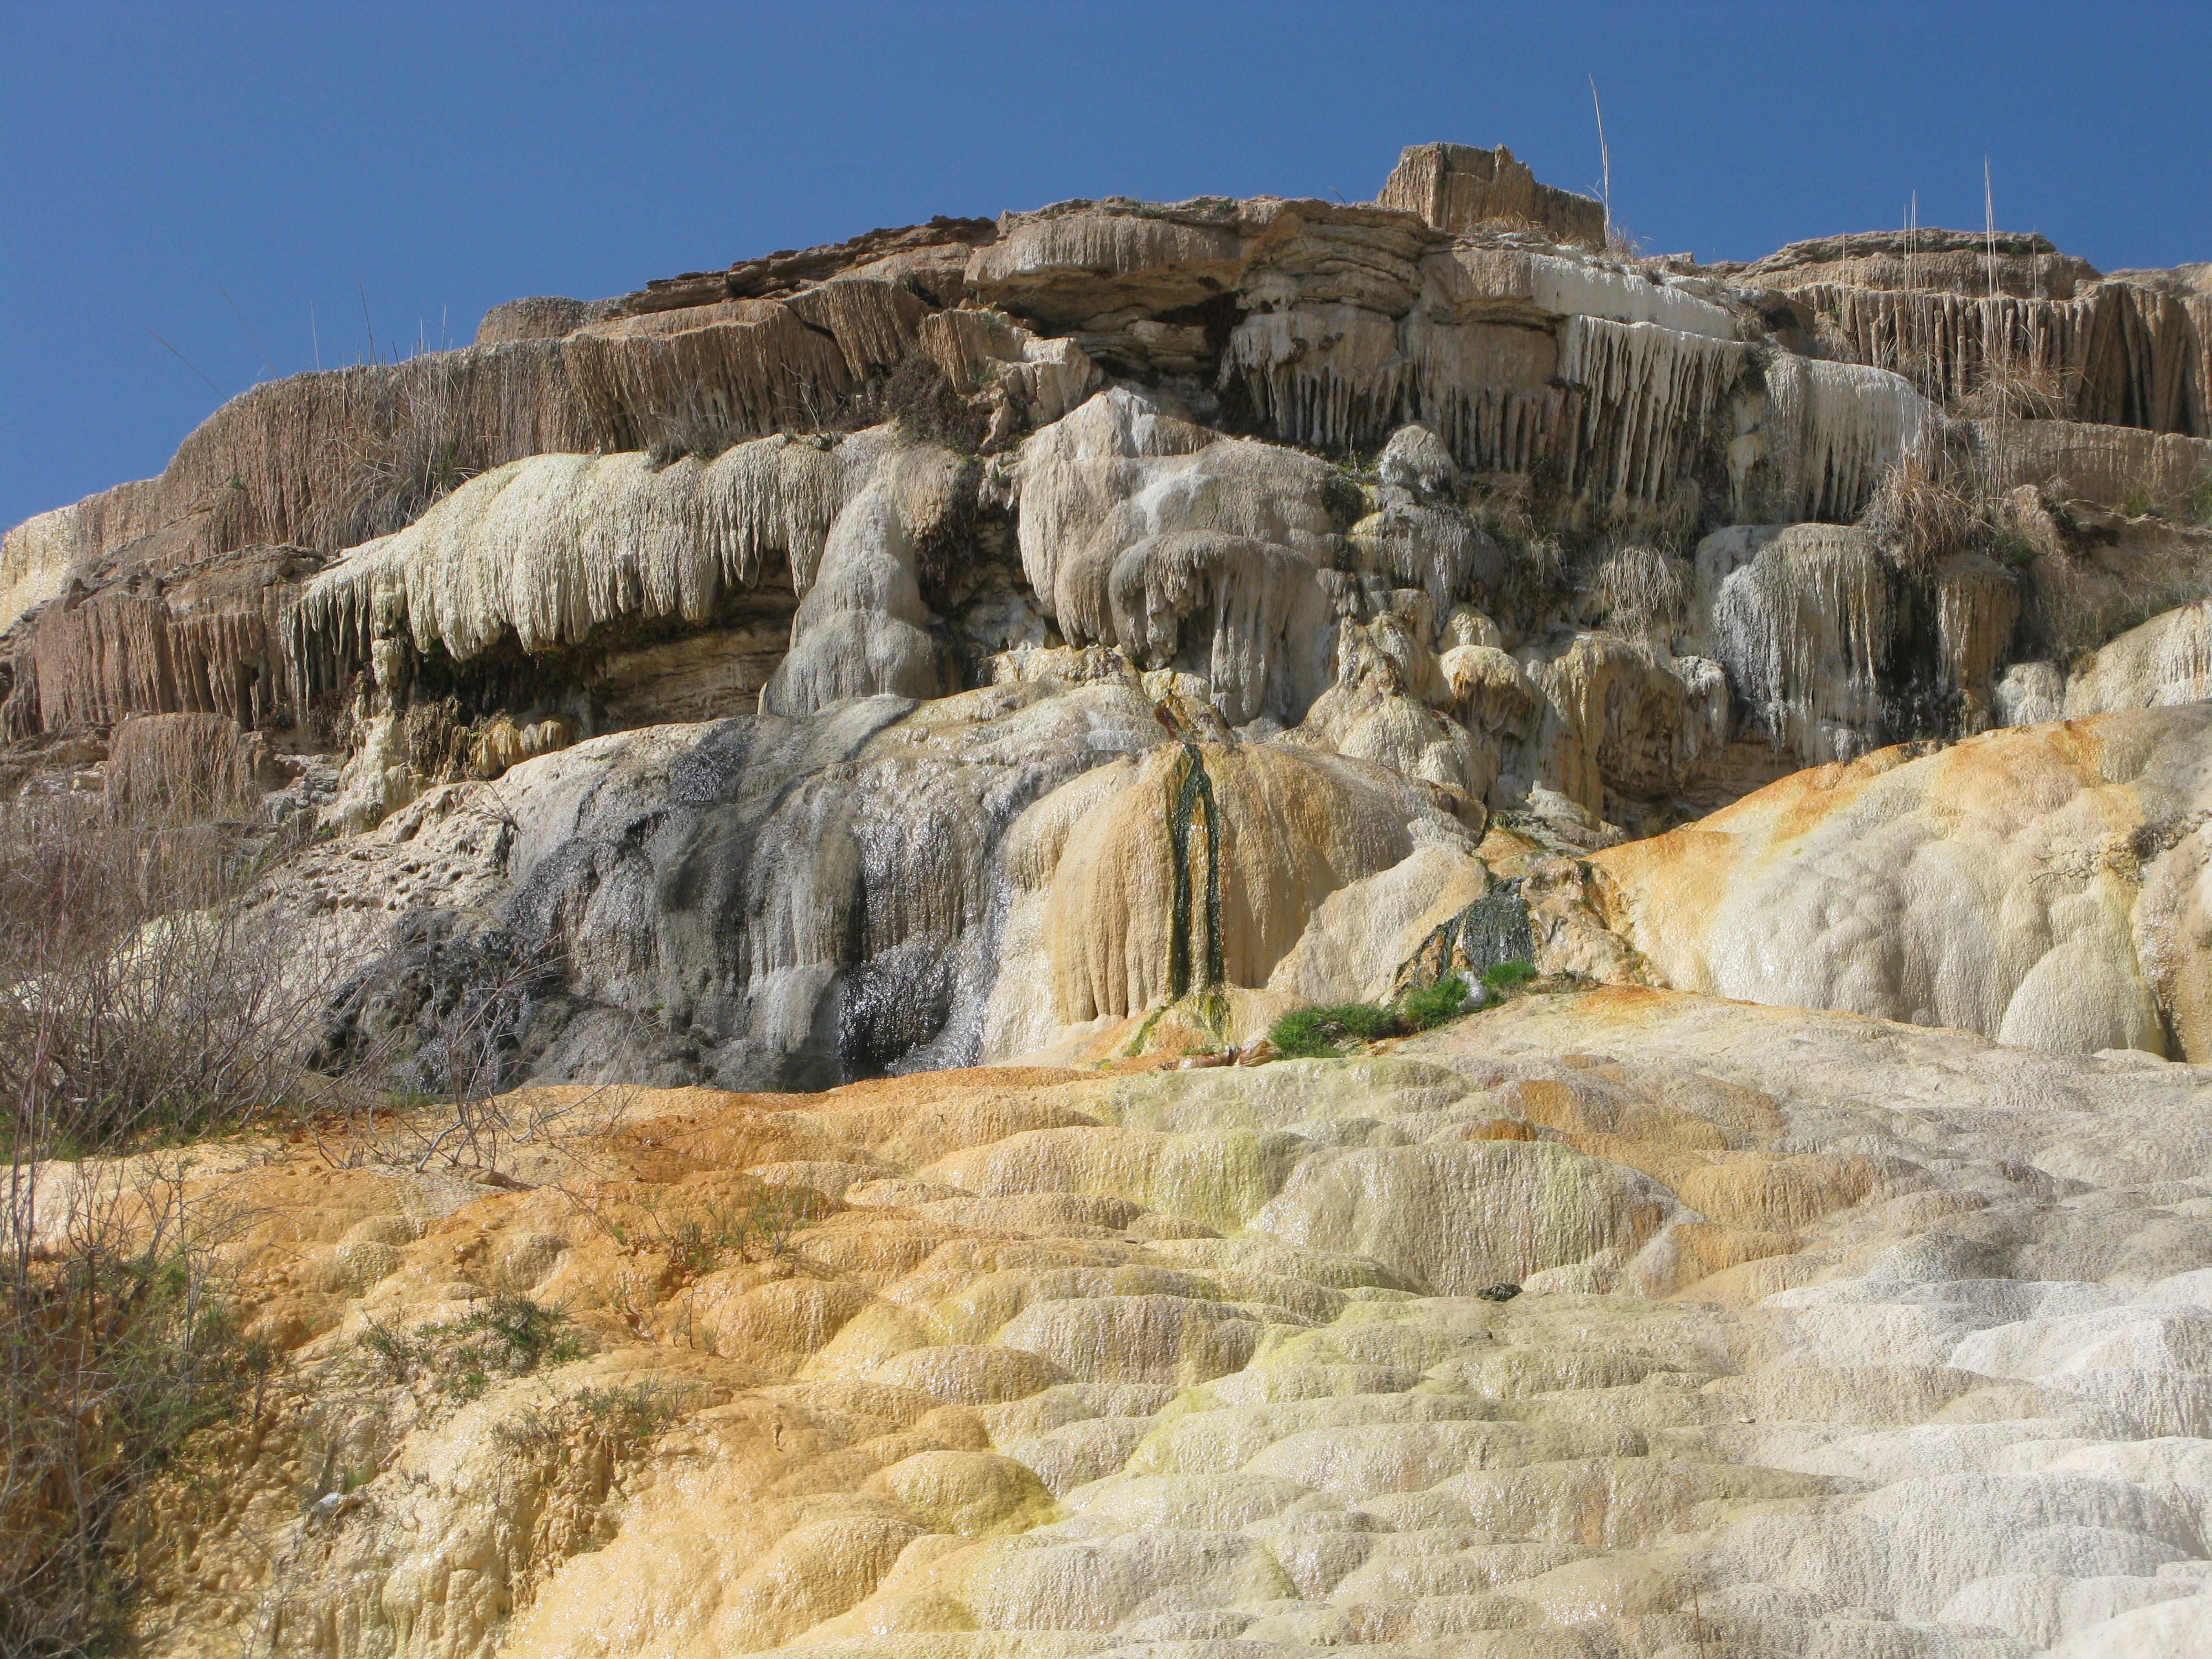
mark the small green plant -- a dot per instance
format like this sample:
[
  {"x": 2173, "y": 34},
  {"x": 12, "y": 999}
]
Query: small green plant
[
  {"x": 2200, "y": 500},
  {"x": 502, "y": 1336},
  {"x": 1320, "y": 1033},
  {"x": 757, "y": 1224},
  {"x": 622, "y": 1418},
  {"x": 1502, "y": 976},
  {"x": 2013, "y": 550},
  {"x": 1419, "y": 1010},
  {"x": 631, "y": 1411},
  {"x": 2136, "y": 500}
]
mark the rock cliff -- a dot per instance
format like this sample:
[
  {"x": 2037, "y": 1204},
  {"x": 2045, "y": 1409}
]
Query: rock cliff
[
  {"x": 849, "y": 582},
  {"x": 1444, "y": 486},
  {"x": 842, "y": 725}
]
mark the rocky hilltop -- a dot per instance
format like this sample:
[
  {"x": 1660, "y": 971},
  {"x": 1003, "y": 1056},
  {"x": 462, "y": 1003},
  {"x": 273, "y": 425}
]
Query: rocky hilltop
[{"x": 995, "y": 670}]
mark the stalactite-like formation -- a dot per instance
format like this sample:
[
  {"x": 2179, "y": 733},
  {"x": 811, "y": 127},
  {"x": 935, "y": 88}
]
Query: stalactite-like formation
[
  {"x": 1649, "y": 397},
  {"x": 1830, "y": 431},
  {"x": 1454, "y": 187},
  {"x": 2119, "y": 354},
  {"x": 332, "y": 458},
  {"x": 212, "y": 641},
  {"x": 549, "y": 548},
  {"x": 93, "y": 664},
  {"x": 1977, "y": 604},
  {"x": 862, "y": 628},
  {"x": 1390, "y": 504},
  {"x": 1329, "y": 377},
  {"x": 1802, "y": 619},
  {"x": 2115, "y": 465},
  {"x": 1130, "y": 525}
]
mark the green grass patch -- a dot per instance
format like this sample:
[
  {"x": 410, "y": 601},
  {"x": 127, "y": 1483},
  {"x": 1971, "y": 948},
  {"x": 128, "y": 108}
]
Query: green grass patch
[
  {"x": 1326, "y": 1033},
  {"x": 501, "y": 1336},
  {"x": 1321, "y": 1033},
  {"x": 1505, "y": 976},
  {"x": 1418, "y": 1011}
]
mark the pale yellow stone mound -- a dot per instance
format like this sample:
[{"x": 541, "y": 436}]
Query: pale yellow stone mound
[
  {"x": 2040, "y": 884},
  {"x": 1830, "y": 1336}
]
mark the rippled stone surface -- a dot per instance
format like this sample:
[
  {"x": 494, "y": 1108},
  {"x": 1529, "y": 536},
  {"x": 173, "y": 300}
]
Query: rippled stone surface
[{"x": 1832, "y": 1336}]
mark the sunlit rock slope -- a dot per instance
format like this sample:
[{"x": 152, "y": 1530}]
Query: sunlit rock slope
[
  {"x": 943, "y": 645},
  {"x": 1832, "y": 1336}
]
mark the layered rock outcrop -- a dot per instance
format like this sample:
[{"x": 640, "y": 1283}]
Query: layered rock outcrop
[{"x": 953, "y": 641}]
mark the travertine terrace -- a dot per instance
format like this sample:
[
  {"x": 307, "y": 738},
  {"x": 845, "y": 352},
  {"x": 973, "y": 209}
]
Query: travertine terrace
[{"x": 923, "y": 708}]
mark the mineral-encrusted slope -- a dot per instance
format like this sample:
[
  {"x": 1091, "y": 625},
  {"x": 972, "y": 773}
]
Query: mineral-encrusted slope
[{"x": 1831, "y": 1336}]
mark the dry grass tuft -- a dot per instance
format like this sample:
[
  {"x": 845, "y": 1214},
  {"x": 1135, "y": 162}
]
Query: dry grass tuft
[
  {"x": 1641, "y": 591},
  {"x": 2009, "y": 387},
  {"x": 1923, "y": 513}
]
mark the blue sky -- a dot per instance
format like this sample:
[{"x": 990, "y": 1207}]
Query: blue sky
[{"x": 425, "y": 162}]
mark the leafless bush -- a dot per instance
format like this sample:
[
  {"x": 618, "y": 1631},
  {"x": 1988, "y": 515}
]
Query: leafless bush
[
  {"x": 141, "y": 999},
  {"x": 434, "y": 1036},
  {"x": 115, "y": 1349},
  {"x": 140, "y": 1003},
  {"x": 672, "y": 1248},
  {"x": 1514, "y": 224}
]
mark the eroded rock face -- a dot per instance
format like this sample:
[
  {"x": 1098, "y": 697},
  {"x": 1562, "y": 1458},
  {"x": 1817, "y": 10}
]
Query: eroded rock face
[
  {"x": 1829, "y": 1335},
  {"x": 953, "y": 642}
]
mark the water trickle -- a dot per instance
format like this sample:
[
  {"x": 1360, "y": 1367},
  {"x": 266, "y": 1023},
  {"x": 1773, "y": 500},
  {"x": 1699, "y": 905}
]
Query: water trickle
[
  {"x": 1192, "y": 800},
  {"x": 1493, "y": 929}
]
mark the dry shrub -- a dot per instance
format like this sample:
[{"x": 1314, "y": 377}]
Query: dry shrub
[
  {"x": 181, "y": 770},
  {"x": 923, "y": 400},
  {"x": 404, "y": 445},
  {"x": 2009, "y": 387},
  {"x": 116, "y": 1348},
  {"x": 140, "y": 997},
  {"x": 140, "y": 1003},
  {"x": 1513, "y": 224},
  {"x": 1923, "y": 513},
  {"x": 435, "y": 1037},
  {"x": 1641, "y": 590}
]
